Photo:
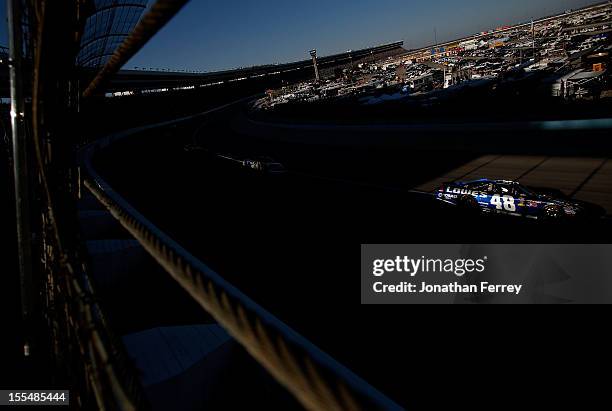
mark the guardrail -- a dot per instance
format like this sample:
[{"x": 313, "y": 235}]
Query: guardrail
[{"x": 315, "y": 379}]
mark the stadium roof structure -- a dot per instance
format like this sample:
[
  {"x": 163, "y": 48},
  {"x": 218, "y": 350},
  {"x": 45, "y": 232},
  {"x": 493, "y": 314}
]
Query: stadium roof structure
[{"x": 109, "y": 23}]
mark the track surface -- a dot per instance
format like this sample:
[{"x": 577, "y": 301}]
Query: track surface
[
  {"x": 583, "y": 178},
  {"x": 291, "y": 242}
]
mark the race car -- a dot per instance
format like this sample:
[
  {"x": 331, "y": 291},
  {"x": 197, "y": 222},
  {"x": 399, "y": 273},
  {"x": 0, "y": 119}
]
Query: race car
[
  {"x": 513, "y": 198},
  {"x": 264, "y": 165},
  {"x": 259, "y": 164}
]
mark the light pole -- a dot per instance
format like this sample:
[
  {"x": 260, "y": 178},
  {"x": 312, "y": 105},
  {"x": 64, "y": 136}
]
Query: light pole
[
  {"x": 20, "y": 169},
  {"x": 313, "y": 54}
]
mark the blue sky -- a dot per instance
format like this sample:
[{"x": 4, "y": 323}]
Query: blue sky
[{"x": 212, "y": 35}]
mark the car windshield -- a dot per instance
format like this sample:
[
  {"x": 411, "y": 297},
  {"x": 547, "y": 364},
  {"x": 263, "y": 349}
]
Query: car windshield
[{"x": 481, "y": 186}]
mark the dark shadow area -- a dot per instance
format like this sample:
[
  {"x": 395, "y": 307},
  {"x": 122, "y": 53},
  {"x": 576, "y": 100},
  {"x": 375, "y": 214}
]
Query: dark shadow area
[{"x": 288, "y": 240}]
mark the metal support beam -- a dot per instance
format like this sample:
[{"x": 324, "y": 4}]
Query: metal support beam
[{"x": 20, "y": 167}]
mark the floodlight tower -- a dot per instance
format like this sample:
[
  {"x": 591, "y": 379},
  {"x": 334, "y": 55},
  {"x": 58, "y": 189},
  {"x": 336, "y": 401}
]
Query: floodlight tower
[{"x": 313, "y": 54}]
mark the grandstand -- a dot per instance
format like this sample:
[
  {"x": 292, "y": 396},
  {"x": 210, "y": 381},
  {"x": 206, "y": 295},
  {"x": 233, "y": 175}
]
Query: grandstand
[
  {"x": 141, "y": 80},
  {"x": 108, "y": 24}
]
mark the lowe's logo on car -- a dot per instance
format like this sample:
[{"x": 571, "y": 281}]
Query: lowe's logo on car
[{"x": 464, "y": 191}]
